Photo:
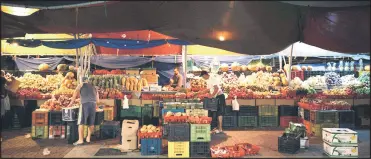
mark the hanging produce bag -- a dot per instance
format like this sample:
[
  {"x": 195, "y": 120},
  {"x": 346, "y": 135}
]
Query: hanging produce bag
[
  {"x": 235, "y": 105},
  {"x": 125, "y": 103}
]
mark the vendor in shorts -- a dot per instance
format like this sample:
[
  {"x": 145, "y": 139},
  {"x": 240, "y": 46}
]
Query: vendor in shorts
[{"x": 213, "y": 87}]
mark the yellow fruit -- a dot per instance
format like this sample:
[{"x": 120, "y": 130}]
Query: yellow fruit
[
  {"x": 43, "y": 67},
  {"x": 268, "y": 68},
  {"x": 367, "y": 68}
]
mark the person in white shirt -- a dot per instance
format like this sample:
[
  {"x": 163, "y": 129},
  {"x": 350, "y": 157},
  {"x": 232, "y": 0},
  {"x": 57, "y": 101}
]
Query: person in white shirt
[{"x": 213, "y": 87}]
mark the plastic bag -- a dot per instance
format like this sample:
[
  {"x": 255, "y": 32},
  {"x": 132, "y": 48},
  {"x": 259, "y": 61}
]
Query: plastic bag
[
  {"x": 235, "y": 105},
  {"x": 125, "y": 103}
]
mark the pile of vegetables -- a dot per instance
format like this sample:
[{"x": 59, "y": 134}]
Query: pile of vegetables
[
  {"x": 149, "y": 129},
  {"x": 36, "y": 81},
  {"x": 365, "y": 78},
  {"x": 198, "y": 84},
  {"x": 350, "y": 80},
  {"x": 316, "y": 82},
  {"x": 118, "y": 82},
  {"x": 43, "y": 67},
  {"x": 332, "y": 79},
  {"x": 228, "y": 81},
  {"x": 28, "y": 93}
]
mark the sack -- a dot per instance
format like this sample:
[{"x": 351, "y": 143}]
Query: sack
[
  {"x": 125, "y": 103},
  {"x": 235, "y": 105},
  {"x": 211, "y": 104}
]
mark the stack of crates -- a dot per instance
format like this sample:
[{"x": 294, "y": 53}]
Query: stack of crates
[
  {"x": 323, "y": 119},
  {"x": 57, "y": 127},
  {"x": 40, "y": 124},
  {"x": 268, "y": 116},
  {"x": 200, "y": 140},
  {"x": 340, "y": 142},
  {"x": 147, "y": 115},
  {"x": 346, "y": 119},
  {"x": 163, "y": 113},
  {"x": 229, "y": 117},
  {"x": 178, "y": 140},
  {"x": 99, "y": 118},
  {"x": 362, "y": 113},
  {"x": 248, "y": 116},
  {"x": 129, "y": 138},
  {"x": 287, "y": 114}
]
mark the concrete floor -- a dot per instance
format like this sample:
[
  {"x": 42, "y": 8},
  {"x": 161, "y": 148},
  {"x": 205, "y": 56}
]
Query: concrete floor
[{"x": 14, "y": 144}]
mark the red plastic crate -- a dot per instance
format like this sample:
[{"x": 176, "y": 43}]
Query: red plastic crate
[{"x": 285, "y": 120}]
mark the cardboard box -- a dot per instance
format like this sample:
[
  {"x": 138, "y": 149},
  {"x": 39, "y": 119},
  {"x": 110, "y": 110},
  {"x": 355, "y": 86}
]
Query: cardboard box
[
  {"x": 340, "y": 151},
  {"x": 246, "y": 102},
  {"x": 290, "y": 102},
  {"x": 340, "y": 136},
  {"x": 361, "y": 102},
  {"x": 228, "y": 101},
  {"x": 109, "y": 102},
  {"x": 129, "y": 128},
  {"x": 135, "y": 102},
  {"x": 129, "y": 142},
  {"x": 265, "y": 102},
  {"x": 151, "y": 79},
  {"x": 147, "y": 102}
]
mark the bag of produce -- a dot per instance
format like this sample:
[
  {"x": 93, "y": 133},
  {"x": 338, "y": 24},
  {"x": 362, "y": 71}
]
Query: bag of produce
[
  {"x": 125, "y": 103},
  {"x": 235, "y": 105}
]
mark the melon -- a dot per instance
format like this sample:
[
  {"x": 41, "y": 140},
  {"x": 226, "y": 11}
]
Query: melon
[
  {"x": 244, "y": 68},
  {"x": 235, "y": 66},
  {"x": 224, "y": 67},
  {"x": 268, "y": 68},
  {"x": 71, "y": 68},
  {"x": 43, "y": 67},
  {"x": 304, "y": 68},
  {"x": 309, "y": 68},
  {"x": 61, "y": 67}
]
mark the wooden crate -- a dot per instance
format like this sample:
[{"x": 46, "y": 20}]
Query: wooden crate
[
  {"x": 132, "y": 71},
  {"x": 151, "y": 79},
  {"x": 40, "y": 118}
]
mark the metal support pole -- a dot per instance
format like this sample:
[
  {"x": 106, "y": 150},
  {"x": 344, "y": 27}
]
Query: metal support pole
[
  {"x": 280, "y": 60},
  {"x": 184, "y": 64},
  {"x": 290, "y": 63}
]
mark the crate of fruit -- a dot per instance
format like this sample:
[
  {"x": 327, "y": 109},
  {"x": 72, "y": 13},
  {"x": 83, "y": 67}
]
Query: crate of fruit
[
  {"x": 199, "y": 120},
  {"x": 175, "y": 117},
  {"x": 150, "y": 131}
]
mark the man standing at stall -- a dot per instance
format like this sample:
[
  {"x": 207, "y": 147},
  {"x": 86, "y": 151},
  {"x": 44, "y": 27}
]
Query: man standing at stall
[
  {"x": 89, "y": 97},
  {"x": 213, "y": 87}
]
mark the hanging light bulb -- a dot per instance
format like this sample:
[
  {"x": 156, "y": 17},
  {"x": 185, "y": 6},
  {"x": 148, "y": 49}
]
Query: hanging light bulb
[
  {"x": 221, "y": 38},
  {"x": 18, "y": 11}
]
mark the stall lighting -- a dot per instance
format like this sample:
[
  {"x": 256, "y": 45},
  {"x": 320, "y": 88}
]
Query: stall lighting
[
  {"x": 18, "y": 11},
  {"x": 15, "y": 44},
  {"x": 221, "y": 38}
]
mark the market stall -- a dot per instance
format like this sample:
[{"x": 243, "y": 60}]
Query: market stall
[{"x": 259, "y": 94}]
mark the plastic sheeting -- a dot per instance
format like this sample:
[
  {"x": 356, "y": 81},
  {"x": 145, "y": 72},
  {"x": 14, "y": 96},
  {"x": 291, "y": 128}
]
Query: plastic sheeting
[
  {"x": 110, "y": 62},
  {"x": 32, "y": 64},
  {"x": 249, "y": 27},
  {"x": 109, "y": 43}
]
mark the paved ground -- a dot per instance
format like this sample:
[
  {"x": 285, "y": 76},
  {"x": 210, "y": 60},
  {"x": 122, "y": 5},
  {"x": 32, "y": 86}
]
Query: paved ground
[{"x": 15, "y": 145}]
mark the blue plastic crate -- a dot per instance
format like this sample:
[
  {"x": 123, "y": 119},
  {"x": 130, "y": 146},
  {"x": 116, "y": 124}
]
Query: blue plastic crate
[{"x": 150, "y": 147}]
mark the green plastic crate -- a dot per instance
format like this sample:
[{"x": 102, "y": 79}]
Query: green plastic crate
[
  {"x": 267, "y": 110},
  {"x": 316, "y": 129},
  {"x": 268, "y": 121},
  {"x": 200, "y": 133},
  {"x": 41, "y": 132},
  {"x": 147, "y": 114},
  {"x": 247, "y": 121},
  {"x": 324, "y": 116},
  {"x": 133, "y": 111}
]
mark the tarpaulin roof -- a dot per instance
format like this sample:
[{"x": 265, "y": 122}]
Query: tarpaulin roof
[
  {"x": 249, "y": 27},
  {"x": 31, "y": 44}
]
